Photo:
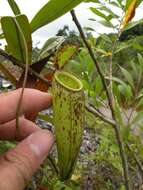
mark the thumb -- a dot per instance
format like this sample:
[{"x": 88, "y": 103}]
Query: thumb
[{"x": 19, "y": 164}]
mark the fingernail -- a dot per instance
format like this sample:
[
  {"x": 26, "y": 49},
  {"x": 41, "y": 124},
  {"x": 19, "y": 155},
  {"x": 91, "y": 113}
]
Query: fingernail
[{"x": 41, "y": 143}]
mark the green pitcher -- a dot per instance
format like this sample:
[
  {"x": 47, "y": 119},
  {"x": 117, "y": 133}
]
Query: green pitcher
[{"x": 68, "y": 107}]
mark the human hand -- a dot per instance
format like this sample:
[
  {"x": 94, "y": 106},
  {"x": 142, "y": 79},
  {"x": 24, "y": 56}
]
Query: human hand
[{"x": 19, "y": 164}]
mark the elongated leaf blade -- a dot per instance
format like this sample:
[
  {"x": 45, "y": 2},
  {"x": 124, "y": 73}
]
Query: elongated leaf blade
[
  {"x": 14, "y": 7},
  {"x": 1, "y": 32},
  {"x": 138, "y": 118},
  {"x": 130, "y": 13},
  {"x": 64, "y": 55},
  {"x": 98, "y": 13},
  {"x": 14, "y": 36},
  {"x": 127, "y": 76},
  {"x": 51, "y": 45},
  {"x": 51, "y": 11},
  {"x": 1, "y": 36},
  {"x": 128, "y": 3},
  {"x": 133, "y": 24},
  {"x": 92, "y": 1}
]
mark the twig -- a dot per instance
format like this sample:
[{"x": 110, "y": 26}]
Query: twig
[
  {"x": 93, "y": 57},
  {"x": 116, "y": 126},
  {"x": 97, "y": 109},
  {"x": 22, "y": 65},
  {"x": 92, "y": 110}
]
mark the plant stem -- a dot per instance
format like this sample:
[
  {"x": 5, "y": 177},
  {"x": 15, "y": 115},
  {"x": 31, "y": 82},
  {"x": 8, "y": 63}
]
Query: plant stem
[
  {"x": 18, "y": 110},
  {"x": 116, "y": 126},
  {"x": 92, "y": 110},
  {"x": 22, "y": 65}
]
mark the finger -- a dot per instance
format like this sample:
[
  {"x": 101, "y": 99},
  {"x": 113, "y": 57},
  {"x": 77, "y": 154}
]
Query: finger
[
  {"x": 32, "y": 116},
  {"x": 33, "y": 100},
  {"x": 8, "y": 130},
  {"x": 19, "y": 164}
]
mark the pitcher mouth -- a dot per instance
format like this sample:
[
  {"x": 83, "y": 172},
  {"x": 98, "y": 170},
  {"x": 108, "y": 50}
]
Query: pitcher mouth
[{"x": 68, "y": 81}]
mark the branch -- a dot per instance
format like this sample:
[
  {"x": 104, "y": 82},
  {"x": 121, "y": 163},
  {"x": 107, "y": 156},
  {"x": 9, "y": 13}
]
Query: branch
[
  {"x": 22, "y": 65},
  {"x": 93, "y": 58},
  {"x": 116, "y": 126},
  {"x": 92, "y": 110}
]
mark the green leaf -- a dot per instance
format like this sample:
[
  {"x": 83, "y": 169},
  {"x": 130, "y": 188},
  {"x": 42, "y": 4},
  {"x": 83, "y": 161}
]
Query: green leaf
[
  {"x": 125, "y": 131},
  {"x": 1, "y": 36},
  {"x": 98, "y": 50},
  {"x": 92, "y": 1},
  {"x": 106, "y": 38},
  {"x": 134, "y": 68},
  {"x": 122, "y": 187},
  {"x": 138, "y": 118},
  {"x": 127, "y": 76},
  {"x": 116, "y": 4},
  {"x": 111, "y": 13},
  {"x": 17, "y": 33},
  {"x": 64, "y": 55},
  {"x": 126, "y": 91},
  {"x": 118, "y": 112},
  {"x": 51, "y": 11},
  {"x": 86, "y": 85},
  {"x": 133, "y": 24},
  {"x": 137, "y": 46},
  {"x": 122, "y": 47},
  {"x": 140, "y": 59},
  {"x": 92, "y": 19},
  {"x": 98, "y": 85},
  {"x": 120, "y": 3},
  {"x": 118, "y": 80},
  {"x": 140, "y": 103},
  {"x": 89, "y": 29},
  {"x": 14, "y": 7},
  {"x": 51, "y": 45},
  {"x": 98, "y": 13},
  {"x": 106, "y": 23},
  {"x": 139, "y": 2},
  {"x": 128, "y": 2},
  {"x": 1, "y": 32},
  {"x": 74, "y": 67}
]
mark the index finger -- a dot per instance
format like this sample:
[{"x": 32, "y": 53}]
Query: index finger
[{"x": 33, "y": 101}]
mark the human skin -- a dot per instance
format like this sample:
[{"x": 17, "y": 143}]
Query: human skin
[{"x": 19, "y": 164}]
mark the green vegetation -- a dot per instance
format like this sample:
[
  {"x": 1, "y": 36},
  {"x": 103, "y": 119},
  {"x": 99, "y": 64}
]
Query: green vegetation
[{"x": 110, "y": 68}]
